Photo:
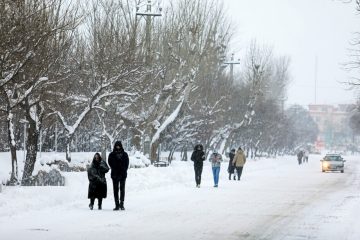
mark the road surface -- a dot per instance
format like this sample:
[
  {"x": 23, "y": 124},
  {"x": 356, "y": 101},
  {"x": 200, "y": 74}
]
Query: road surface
[{"x": 275, "y": 199}]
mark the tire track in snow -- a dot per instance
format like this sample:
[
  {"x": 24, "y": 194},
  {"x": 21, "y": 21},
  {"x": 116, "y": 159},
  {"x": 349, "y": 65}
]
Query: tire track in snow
[{"x": 278, "y": 226}]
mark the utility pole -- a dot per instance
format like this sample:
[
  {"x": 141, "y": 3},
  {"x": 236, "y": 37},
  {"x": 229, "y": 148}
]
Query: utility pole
[
  {"x": 232, "y": 62},
  {"x": 315, "y": 78},
  {"x": 148, "y": 15}
]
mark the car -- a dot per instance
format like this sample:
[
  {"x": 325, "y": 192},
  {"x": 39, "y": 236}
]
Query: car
[{"x": 332, "y": 162}]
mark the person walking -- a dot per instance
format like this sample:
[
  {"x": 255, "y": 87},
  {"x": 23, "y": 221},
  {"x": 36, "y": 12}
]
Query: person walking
[
  {"x": 231, "y": 168},
  {"x": 198, "y": 157},
  {"x": 119, "y": 164},
  {"x": 306, "y": 156},
  {"x": 300, "y": 156},
  {"x": 97, "y": 181},
  {"x": 239, "y": 162},
  {"x": 216, "y": 160}
]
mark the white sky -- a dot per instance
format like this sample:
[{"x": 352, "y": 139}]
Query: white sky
[{"x": 301, "y": 29}]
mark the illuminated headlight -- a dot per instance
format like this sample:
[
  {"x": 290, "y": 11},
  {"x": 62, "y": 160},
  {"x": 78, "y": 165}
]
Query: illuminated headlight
[{"x": 325, "y": 164}]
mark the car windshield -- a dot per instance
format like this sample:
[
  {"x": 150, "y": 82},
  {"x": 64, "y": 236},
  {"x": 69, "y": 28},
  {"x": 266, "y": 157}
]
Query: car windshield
[{"x": 333, "y": 158}]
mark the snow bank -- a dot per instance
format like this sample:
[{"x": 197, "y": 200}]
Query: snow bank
[
  {"x": 138, "y": 160},
  {"x": 79, "y": 160}
]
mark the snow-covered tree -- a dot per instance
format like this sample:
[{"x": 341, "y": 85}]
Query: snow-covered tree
[{"x": 30, "y": 30}]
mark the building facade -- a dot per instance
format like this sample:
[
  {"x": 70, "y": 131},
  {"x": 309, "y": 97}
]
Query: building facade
[{"x": 333, "y": 123}]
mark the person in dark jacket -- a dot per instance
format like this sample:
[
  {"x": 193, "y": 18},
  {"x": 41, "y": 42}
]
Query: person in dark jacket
[
  {"x": 231, "y": 167},
  {"x": 97, "y": 180},
  {"x": 119, "y": 164},
  {"x": 198, "y": 157},
  {"x": 300, "y": 156}
]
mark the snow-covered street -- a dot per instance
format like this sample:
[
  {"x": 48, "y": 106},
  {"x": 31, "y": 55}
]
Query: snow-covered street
[{"x": 276, "y": 199}]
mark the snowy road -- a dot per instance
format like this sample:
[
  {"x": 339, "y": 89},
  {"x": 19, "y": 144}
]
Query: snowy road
[{"x": 276, "y": 199}]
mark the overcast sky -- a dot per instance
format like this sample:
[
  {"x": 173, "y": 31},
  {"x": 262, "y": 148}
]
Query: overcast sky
[{"x": 301, "y": 29}]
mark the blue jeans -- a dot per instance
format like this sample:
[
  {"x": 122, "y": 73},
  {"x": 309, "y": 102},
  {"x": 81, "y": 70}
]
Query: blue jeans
[{"x": 216, "y": 174}]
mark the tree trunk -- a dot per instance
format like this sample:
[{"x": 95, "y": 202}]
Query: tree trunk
[
  {"x": 12, "y": 144},
  {"x": 31, "y": 151},
  {"x": 68, "y": 144},
  {"x": 136, "y": 141},
  {"x": 103, "y": 146},
  {"x": 171, "y": 153},
  {"x": 185, "y": 156},
  {"x": 229, "y": 140},
  {"x": 14, "y": 166},
  {"x": 153, "y": 151}
]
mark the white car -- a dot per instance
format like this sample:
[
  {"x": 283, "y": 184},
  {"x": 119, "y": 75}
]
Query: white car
[{"x": 332, "y": 162}]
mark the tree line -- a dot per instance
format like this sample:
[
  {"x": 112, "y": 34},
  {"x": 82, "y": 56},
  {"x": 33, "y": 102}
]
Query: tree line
[{"x": 78, "y": 77}]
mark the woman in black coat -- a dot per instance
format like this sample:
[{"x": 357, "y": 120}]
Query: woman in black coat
[
  {"x": 198, "y": 157},
  {"x": 231, "y": 168},
  {"x": 97, "y": 180}
]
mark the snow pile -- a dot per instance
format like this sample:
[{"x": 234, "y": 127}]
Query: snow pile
[
  {"x": 48, "y": 161},
  {"x": 138, "y": 160},
  {"x": 46, "y": 178}
]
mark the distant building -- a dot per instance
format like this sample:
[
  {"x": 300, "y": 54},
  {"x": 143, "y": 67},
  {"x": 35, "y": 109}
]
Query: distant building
[{"x": 333, "y": 123}]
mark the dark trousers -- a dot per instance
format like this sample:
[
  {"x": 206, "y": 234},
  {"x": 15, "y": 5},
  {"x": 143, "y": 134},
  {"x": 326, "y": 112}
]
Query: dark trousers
[
  {"x": 92, "y": 201},
  {"x": 231, "y": 170},
  {"x": 119, "y": 184},
  {"x": 239, "y": 172},
  {"x": 198, "y": 170}
]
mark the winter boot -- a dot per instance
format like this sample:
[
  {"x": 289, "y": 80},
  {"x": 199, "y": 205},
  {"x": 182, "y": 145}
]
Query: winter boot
[
  {"x": 99, "y": 204},
  {"x": 117, "y": 206},
  {"x": 122, "y": 206},
  {"x": 91, "y": 205}
]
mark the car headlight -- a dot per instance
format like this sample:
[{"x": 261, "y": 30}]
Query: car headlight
[{"x": 325, "y": 164}]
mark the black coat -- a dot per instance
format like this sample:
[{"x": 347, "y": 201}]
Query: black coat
[
  {"x": 231, "y": 167},
  {"x": 119, "y": 164},
  {"x": 97, "y": 180},
  {"x": 198, "y": 157}
]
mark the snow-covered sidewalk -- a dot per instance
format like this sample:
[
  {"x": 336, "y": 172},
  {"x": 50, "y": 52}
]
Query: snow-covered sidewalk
[{"x": 276, "y": 199}]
